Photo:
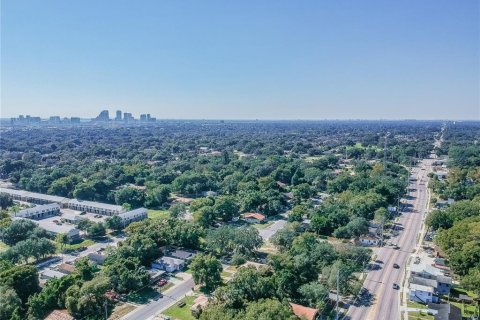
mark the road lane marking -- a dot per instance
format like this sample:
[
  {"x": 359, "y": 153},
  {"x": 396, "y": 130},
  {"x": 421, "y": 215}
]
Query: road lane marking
[{"x": 374, "y": 307}]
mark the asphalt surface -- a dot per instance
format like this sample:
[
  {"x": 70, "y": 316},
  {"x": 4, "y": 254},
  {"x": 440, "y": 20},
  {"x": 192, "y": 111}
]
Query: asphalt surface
[
  {"x": 268, "y": 232},
  {"x": 385, "y": 302},
  {"x": 170, "y": 296}
]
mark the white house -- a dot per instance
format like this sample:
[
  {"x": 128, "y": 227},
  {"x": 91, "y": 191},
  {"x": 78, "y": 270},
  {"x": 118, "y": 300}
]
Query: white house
[
  {"x": 168, "y": 264},
  {"x": 369, "y": 240},
  {"x": 422, "y": 294},
  {"x": 425, "y": 271}
]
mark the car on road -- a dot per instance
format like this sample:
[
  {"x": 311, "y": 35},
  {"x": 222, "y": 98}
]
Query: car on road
[
  {"x": 396, "y": 286},
  {"x": 396, "y": 266},
  {"x": 396, "y": 247}
]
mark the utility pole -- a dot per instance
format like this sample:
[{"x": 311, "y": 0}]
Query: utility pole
[{"x": 338, "y": 292}]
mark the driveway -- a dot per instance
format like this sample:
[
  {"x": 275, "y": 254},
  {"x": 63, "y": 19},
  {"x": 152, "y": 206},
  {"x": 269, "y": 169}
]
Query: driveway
[{"x": 269, "y": 231}]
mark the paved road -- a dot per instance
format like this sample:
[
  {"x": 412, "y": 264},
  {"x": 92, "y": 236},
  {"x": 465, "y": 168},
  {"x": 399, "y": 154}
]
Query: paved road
[
  {"x": 269, "y": 231},
  {"x": 170, "y": 296},
  {"x": 380, "y": 282}
]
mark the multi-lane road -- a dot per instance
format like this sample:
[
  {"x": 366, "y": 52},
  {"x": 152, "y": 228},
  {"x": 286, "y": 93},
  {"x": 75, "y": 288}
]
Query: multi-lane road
[
  {"x": 170, "y": 296},
  {"x": 385, "y": 303}
]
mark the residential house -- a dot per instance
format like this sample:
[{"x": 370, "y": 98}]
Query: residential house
[
  {"x": 444, "y": 284},
  {"x": 254, "y": 217},
  {"x": 304, "y": 312},
  {"x": 422, "y": 294},
  {"x": 59, "y": 315},
  {"x": 425, "y": 271},
  {"x": 181, "y": 254},
  {"x": 168, "y": 264},
  {"x": 66, "y": 268},
  {"x": 97, "y": 258},
  {"x": 369, "y": 240}
]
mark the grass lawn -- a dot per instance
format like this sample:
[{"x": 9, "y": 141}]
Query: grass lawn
[
  {"x": 157, "y": 214},
  {"x": 3, "y": 246},
  {"x": 183, "y": 313},
  {"x": 457, "y": 290},
  {"x": 121, "y": 310},
  {"x": 84, "y": 243},
  {"x": 420, "y": 315},
  {"x": 467, "y": 309},
  {"x": 260, "y": 226},
  {"x": 412, "y": 304}
]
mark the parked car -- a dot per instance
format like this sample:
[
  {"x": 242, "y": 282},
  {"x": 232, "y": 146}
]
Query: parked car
[
  {"x": 181, "y": 304},
  {"x": 396, "y": 286},
  {"x": 396, "y": 266}
]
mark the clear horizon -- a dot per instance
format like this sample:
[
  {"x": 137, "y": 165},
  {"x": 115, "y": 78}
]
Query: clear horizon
[{"x": 275, "y": 60}]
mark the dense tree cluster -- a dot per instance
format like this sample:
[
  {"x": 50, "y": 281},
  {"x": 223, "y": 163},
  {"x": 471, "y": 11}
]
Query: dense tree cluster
[{"x": 458, "y": 225}]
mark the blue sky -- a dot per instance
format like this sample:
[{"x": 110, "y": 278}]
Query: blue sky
[{"x": 242, "y": 59}]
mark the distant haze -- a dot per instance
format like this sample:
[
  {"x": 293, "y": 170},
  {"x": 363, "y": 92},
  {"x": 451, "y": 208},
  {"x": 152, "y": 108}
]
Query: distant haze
[{"x": 242, "y": 59}]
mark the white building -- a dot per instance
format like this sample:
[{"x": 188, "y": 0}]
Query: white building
[
  {"x": 133, "y": 215},
  {"x": 422, "y": 294},
  {"x": 39, "y": 212},
  {"x": 54, "y": 227},
  {"x": 33, "y": 197},
  {"x": 95, "y": 207},
  {"x": 369, "y": 240},
  {"x": 168, "y": 264},
  {"x": 425, "y": 271}
]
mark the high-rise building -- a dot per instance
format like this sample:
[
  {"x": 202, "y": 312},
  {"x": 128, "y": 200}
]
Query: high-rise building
[
  {"x": 118, "y": 116},
  {"x": 143, "y": 118},
  {"x": 103, "y": 116},
  {"x": 127, "y": 117},
  {"x": 54, "y": 119}
]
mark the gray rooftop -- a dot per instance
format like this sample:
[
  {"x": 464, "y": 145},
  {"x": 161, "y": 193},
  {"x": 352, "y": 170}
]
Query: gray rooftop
[
  {"x": 424, "y": 282},
  {"x": 39, "y": 208},
  {"x": 23, "y": 193},
  {"x": 99, "y": 205},
  {"x": 133, "y": 213}
]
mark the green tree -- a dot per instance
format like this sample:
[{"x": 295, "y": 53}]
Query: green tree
[
  {"x": 206, "y": 271},
  {"x": 22, "y": 279},
  {"x": 5, "y": 201},
  {"x": 10, "y": 304},
  {"x": 132, "y": 196},
  {"x": 96, "y": 230},
  {"x": 267, "y": 309},
  {"x": 125, "y": 274},
  {"x": 114, "y": 223},
  {"x": 62, "y": 239}
]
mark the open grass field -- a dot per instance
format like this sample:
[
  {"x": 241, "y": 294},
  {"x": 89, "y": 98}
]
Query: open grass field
[
  {"x": 157, "y": 214},
  {"x": 181, "y": 313}
]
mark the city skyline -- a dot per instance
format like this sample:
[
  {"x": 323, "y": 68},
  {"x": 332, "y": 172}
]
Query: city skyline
[{"x": 275, "y": 60}]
